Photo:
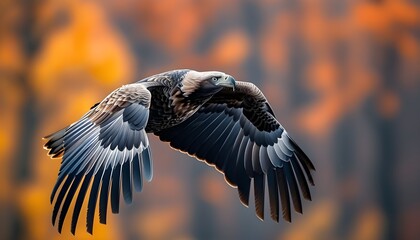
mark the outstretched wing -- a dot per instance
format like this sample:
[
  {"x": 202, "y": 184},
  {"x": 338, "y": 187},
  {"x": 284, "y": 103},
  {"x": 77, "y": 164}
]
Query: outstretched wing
[
  {"x": 236, "y": 131},
  {"x": 108, "y": 147}
]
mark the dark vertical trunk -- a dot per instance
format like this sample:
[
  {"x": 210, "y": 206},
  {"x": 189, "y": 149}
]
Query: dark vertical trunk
[
  {"x": 386, "y": 136},
  {"x": 385, "y": 183},
  {"x": 28, "y": 115},
  {"x": 22, "y": 169},
  {"x": 343, "y": 140}
]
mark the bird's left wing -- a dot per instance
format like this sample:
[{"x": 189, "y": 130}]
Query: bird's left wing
[
  {"x": 108, "y": 146},
  {"x": 236, "y": 131}
]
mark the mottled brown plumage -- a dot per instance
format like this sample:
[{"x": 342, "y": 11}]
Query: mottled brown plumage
[{"x": 226, "y": 123}]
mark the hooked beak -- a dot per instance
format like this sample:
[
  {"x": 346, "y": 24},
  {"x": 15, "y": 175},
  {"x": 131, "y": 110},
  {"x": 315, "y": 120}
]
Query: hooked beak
[{"x": 228, "y": 81}]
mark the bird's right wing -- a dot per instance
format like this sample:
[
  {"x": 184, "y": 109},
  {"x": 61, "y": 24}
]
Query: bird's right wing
[
  {"x": 236, "y": 132},
  {"x": 109, "y": 145}
]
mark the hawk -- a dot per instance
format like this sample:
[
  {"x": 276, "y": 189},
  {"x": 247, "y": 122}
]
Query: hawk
[{"x": 209, "y": 115}]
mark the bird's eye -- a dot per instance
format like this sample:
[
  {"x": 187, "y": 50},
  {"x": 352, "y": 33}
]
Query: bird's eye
[{"x": 214, "y": 79}]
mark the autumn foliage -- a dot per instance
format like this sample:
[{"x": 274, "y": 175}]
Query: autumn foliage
[{"x": 343, "y": 76}]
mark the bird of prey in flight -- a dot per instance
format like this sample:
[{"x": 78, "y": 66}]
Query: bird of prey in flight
[{"x": 209, "y": 115}]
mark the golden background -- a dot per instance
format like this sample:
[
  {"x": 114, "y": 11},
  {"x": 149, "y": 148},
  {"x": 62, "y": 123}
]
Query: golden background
[{"x": 342, "y": 76}]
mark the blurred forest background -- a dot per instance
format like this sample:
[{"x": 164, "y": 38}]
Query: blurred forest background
[{"x": 342, "y": 76}]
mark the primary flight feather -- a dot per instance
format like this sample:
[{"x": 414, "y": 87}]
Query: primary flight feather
[{"x": 209, "y": 115}]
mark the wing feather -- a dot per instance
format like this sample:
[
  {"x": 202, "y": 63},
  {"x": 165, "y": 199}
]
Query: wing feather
[
  {"x": 238, "y": 133},
  {"x": 259, "y": 185},
  {"x": 137, "y": 173},
  {"x": 147, "y": 165},
  {"x": 115, "y": 189},
  {"x": 61, "y": 196},
  {"x": 103, "y": 145},
  {"x": 226, "y": 148},
  {"x": 79, "y": 201},
  {"x": 284, "y": 194},
  {"x": 229, "y": 167},
  {"x": 126, "y": 182},
  {"x": 293, "y": 187},
  {"x": 244, "y": 184},
  {"x": 93, "y": 198},
  {"x": 273, "y": 194},
  {"x": 67, "y": 201},
  {"x": 104, "y": 195}
]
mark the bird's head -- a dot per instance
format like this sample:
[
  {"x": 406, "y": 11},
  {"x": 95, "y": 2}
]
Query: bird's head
[{"x": 209, "y": 82}]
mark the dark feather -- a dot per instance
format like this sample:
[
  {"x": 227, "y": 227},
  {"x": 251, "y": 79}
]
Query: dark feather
[
  {"x": 256, "y": 159},
  {"x": 126, "y": 182},
  {"x": 60, "y": 179},
  {"x": 273, "y": 194},
  {"x": 123, "y": 137},
  {"x": 60, "y": 197},
  {"x": 177, "y": 135},
  {"x": 211, "y": 139},
  {"x": 94, "y": 105},
  {"x": 92, "y": 200},
  {"x": 115, "y": 189},
  {"x": 147, "y": 164},
  {"x": 306, "y": 169},
  {"x": 265, "y": 160},
  {"x": 259, "y": 186},
  {"x": 242, "y": 179},
  {"x": 69, "y": 197},
  {"x": 141, "y": 119},
  {"x": 137, "y": 172},
  {"x": 226, "y": 146},
  {"x": 300, "y": 178},
  {"x": 284, "y": 194},
  {"x": 204, "y": 134},
  {"x": 293, "y": 187},
  {"x": 103, "y": 199},
  {"x": 230, "y": 164},
  {"x": 301, "y": 155},
  {"x": 116, "y": 138},
  {"x": 79, "y": 201},
  {"x": 248, "y": 159}
]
